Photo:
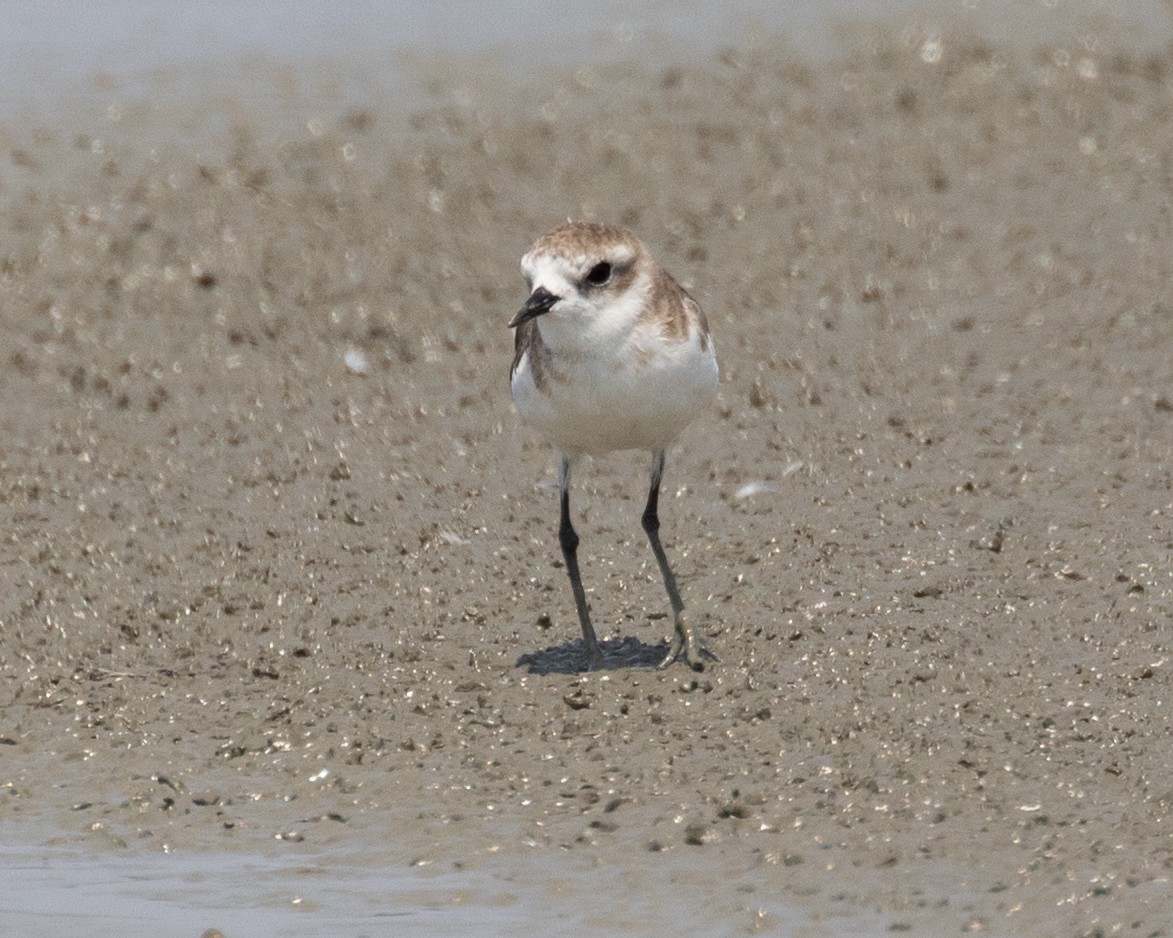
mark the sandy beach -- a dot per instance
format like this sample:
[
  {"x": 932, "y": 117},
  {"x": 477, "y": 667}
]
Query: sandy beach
[{"x": 279, "y": 567}]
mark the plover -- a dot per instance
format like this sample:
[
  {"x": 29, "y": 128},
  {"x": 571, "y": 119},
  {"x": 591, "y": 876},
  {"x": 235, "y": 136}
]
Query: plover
[{"x": 610, "y": 353}]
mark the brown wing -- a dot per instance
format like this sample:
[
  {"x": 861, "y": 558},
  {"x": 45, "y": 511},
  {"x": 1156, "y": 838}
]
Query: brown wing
[
  {"x": 521, "y": 341},
  {"x": 698, "y": 316},
  {"x": 528, "y": 341},
  {"x": 678, "y": 312}
]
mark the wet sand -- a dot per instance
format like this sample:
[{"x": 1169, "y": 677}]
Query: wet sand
[{"x": 279, "y": 567}]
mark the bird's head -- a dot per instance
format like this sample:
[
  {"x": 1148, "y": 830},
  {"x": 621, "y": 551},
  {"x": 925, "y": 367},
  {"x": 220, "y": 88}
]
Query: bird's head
[{"x": 586, "y": 281}]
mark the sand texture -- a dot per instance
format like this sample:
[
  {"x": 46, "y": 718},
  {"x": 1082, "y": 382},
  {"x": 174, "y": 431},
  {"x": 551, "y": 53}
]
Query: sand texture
[{"x": 279, "y": 567}]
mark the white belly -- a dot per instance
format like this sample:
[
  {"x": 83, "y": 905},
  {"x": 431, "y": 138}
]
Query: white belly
[{"x": 591, "y": 405}]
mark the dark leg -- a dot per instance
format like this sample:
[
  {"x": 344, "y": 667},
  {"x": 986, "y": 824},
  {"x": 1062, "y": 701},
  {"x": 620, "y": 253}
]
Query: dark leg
[
  {"x": 568, "y": 538},
  {"x": 684, "y": 637}
]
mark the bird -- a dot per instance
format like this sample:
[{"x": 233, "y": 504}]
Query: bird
[{"x": 610, "y": 353}]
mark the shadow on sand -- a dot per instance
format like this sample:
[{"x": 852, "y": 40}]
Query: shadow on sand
[{"x": 569, "y": 657}]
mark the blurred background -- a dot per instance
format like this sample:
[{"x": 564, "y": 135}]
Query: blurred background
[{"x": 52, "y": 49}]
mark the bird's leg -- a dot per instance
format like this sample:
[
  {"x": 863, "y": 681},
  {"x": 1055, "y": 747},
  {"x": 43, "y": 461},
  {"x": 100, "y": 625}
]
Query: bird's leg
[
  {"x": 684, "y": 637},
  {"x": 568, "y": 538}
]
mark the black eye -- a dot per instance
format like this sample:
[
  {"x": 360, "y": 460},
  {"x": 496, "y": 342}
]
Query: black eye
[{"x": 599, "y": 274}]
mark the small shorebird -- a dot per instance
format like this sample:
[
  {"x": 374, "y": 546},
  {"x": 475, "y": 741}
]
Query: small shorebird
[{"x": 610, "y": 353}]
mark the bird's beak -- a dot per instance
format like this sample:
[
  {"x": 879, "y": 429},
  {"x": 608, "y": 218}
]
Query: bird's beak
[{"x": 540, "y": 301}]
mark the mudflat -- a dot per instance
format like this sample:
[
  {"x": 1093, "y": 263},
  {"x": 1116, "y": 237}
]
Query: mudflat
[{"x": 279, "y": 567}]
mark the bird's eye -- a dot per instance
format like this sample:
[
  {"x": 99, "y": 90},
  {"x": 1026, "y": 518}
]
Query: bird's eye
[{"x": 599, "y": 274}]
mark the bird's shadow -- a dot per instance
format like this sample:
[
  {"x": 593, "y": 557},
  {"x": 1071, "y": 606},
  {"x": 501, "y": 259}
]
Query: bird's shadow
[{"x": 570, "y": 658}]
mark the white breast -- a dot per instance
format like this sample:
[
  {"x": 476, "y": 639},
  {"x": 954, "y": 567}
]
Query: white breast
[{"x": 639, "y": 396}]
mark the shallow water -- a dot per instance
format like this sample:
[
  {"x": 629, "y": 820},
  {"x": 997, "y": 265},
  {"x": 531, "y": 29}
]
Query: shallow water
[
  {"x": 52, "y": 892},
  {"x": 47, "y": 48}
]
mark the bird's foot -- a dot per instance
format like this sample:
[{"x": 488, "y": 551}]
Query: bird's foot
[
  {"x": 594, "y": 656},
  {"x": 685, "y": 639}
]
